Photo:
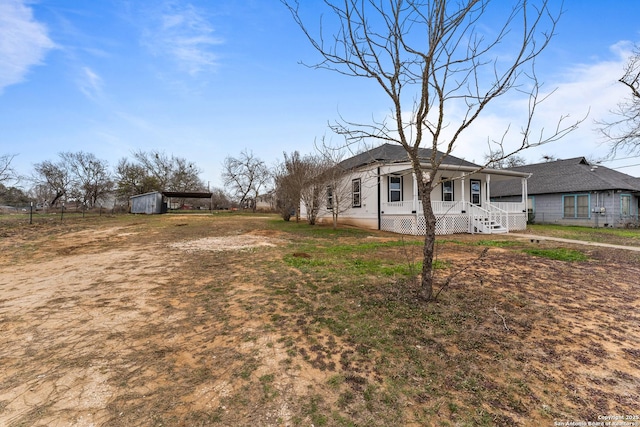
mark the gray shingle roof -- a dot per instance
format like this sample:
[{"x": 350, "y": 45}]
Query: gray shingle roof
[
  {"x": 392, "y": 153},
  {"x": 567, "y": 176}
]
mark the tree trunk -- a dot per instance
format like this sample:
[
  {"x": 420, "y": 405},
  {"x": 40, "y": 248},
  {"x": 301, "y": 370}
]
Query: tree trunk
[
  {"x": 56, "y": 198},
  {"x": 426, "y": 283}
]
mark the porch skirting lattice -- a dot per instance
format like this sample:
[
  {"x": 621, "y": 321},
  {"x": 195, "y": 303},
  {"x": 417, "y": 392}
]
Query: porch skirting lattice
[
  {"x": 445, "y": 224},
  {"x": 516, "y": 222},
  {"x": 416, "y": 225}
]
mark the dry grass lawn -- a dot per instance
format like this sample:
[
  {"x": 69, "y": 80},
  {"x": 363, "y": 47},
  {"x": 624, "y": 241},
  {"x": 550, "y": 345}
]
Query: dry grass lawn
[{"x": 200, "y": 320}]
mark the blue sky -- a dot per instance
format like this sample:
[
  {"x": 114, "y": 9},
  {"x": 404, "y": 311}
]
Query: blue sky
[{"x": 206, "y": 79}]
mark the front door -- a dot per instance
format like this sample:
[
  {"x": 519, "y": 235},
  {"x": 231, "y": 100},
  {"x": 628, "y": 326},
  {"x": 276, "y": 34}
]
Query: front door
[{"x": 476, "y": 187}]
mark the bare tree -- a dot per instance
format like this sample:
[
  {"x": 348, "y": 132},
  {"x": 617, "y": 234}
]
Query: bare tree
[
  {"x": 157, "y": 171},
  {"x": 90, "y": 177},
  {"x": 315, "y": 188},
  {"x": 286, "y": 192},
  {"x": 291, "y": 177},
  {"x": 42, "y": 193},
  {"x": 624, "y": 131},
  {"x": 6, "y": 171},
  {"x": 301, "y": 181},
  {"x": 185, "y": 176},
  {"x": 219, "y": 199},
  {"x": 432, "y": 59},
  {"x": 338, "y": 188},
  {"x": 503, "y": 163},
  {"x": 132, "y": 178},
  {"x": 245, "y": 177},
  {"x": 13, "y": 196},
  {"x": 55, "y": 177},
  {"x": 156, "y": 164}
]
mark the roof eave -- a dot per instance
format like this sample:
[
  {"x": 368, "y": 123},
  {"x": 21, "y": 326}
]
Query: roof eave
[{"x": 472, "y": 169}]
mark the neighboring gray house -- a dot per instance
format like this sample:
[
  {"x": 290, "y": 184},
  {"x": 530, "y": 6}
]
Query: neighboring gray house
[
  {"x": 575, "y": 192},
  {"x": 266, "y": 202}
]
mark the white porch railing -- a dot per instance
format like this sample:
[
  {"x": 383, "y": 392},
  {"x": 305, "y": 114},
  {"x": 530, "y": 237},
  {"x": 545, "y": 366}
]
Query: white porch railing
[
  {"x": 405, "y": 207},
  {"x": 511, "y": 207},
  {"x": 448, "y": 208},
  {"x": 487, "y": 220}
]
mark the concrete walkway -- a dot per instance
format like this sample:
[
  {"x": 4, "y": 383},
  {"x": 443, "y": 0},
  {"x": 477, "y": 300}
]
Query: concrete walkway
[{"x": 578, "y": 242}]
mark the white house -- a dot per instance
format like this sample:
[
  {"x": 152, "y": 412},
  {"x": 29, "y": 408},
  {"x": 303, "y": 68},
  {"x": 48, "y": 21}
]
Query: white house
[{"x": 384, "y": 195}]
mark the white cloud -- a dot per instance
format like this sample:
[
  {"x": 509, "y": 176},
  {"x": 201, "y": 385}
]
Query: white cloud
[
  {"x": 580, "y": 89},
  {"x": 183, "y": 34},
  {"x": 23, "y": 42},
  {"x": 90, "y": 83}
]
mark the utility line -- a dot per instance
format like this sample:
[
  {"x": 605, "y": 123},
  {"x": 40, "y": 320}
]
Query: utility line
[
  {"x": 619, "y": 158},
  {"x": 627, "y": 166}
]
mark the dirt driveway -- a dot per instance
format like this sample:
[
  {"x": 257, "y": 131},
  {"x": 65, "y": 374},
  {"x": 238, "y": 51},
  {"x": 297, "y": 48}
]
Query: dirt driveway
[
  {"x": 126, "y": 323},
  {"x": 109, "y": 324}
]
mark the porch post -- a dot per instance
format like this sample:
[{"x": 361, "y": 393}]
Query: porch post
[
  {"x": 524, "y": 191},
  {"x": 415, "y": 192},
  {"x": 415, "y": 204},
  {"x": 488, "y": 188},
  {"x": 464, "y": 194}
]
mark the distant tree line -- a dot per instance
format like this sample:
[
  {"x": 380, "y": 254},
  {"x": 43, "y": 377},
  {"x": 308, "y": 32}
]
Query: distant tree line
[
  {"x": 87, "y": 181},
  {"x": 313, "y": 181}
]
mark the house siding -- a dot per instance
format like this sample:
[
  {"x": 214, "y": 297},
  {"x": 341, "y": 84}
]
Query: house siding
[
  {"x": 549, "y": 209},
  {"x": 365, "y": 216},
  {"x": 550, "y": 182},
  {"x": 403, "y": 214}
]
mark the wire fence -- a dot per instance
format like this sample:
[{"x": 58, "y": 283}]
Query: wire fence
[{"x": 32, "y": 214}]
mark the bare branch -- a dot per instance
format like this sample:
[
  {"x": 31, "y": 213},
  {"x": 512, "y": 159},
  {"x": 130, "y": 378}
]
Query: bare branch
[
  {"x": 623, "y": 132},
  {"x": 434, "y": 59},
  {"x": 6, "y": 170},
  {"x": 245, "y": 176}
]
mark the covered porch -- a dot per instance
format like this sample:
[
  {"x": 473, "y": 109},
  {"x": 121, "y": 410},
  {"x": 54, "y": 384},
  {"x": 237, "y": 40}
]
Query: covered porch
[{"x": 461, "y": 203}]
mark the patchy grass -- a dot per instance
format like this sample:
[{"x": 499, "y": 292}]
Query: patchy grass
[
  {"x": 326, "y": 327},
  {"x": 561, "y": 254},
  {"x": 498, "y": 243},
  {"x": 616, "y": 236}
]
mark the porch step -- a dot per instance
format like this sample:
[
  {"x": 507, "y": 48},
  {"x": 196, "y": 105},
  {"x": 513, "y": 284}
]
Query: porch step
[
  {"x": 487, "y": 227},
  {"x": 497, "y": 229}
]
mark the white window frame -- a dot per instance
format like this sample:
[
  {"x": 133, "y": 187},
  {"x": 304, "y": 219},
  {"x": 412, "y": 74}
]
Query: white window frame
[
  {"x": 448, "y": 187},
  {"x": 391, "y": 191},
  {"x": 472, "y": 193},
  {"x": 356, "y": 194}
]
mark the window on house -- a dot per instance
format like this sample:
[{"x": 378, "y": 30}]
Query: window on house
[
  {"x": 447, "y": 190},
  {"x": 356, "y": 201},
  {"x": 583, "y": 206},
  {"x": 329, "y": 197},
  {"x": 576, "y": 206},
  {"x": 395, "y": 188},
  {"x": 625, "y": 205},
  {"x": 476, "y": 185}
]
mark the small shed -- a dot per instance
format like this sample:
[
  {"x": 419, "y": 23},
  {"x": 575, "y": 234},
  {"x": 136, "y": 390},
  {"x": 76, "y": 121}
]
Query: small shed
[
  {"x": 155, "y": 202},
  {"x": 148, "y": 203}
]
